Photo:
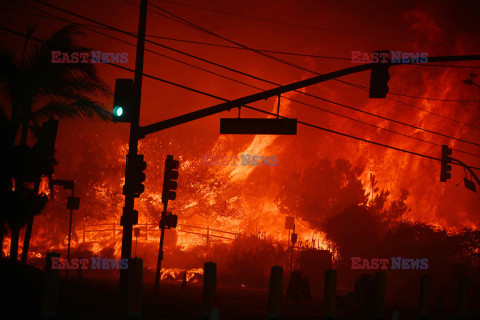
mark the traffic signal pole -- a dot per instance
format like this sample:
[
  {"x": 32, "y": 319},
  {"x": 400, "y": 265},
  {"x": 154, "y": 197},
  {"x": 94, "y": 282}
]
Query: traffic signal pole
[
  {"x": 237, "y": 103},
  {"x": 463, "y": 164},
  {"x": 128, "y": 215},
  {"x": 160, "y": 252}
]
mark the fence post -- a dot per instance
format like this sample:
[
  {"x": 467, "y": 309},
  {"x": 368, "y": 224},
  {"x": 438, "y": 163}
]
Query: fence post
[
  {"x": 209, "y": 287},
  {"x": 425, "y": 296},
  {"x": 379, "y": 306},
  {"x": 275, "y": 293},
  {"x": 50, "y": 287},
  {"x": 330, "y": 294}
]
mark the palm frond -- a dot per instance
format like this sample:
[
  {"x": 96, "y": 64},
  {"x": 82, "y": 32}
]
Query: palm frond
[
  {"x": 73, "y": 107},
  {"x": 46, "y": 77},
  {"x": 37, "y": 89}
]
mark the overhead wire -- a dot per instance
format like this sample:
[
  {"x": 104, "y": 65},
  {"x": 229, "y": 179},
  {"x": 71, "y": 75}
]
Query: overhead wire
[
  {"x": 233, "y": 47},
  {"x": 186, "y": 40},
  {"x": 258, "y": 88},
  {"x": 365, "y": 88},
  {"x": 293, "y": 24},
  {"x": 228, "y": 46},
  {"x": 260, "y": 79},
  {"x": 191, "y": 24},
  {"x": 435, "y": 113},
  {"x": 253, "y": 108},
  {"x": 343, "y": 105}
]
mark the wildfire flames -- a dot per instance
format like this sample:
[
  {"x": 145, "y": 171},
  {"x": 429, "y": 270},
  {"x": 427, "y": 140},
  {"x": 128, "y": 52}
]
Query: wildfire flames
[{"x": 218, "y": 205}]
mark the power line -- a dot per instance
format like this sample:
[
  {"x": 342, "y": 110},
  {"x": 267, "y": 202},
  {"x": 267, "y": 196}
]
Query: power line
[
  {"x": 441, "y": 66},
  {"x": 378, "y": 127},
  {"x": 227, "y": 46},
  {"x": 293, "y": 24},
  {"x": 441, "y": 198},
  {"x": 125, "y": 68},
  {"x": 435, "y": 99},
  {"x": 231, "y": 47},
  {"x": 434, "y": 113},
  {"x": 185, "y": 40},
  {"x": 283, "y": 61},
  {"x": 260, "y": 79},
  {"x": 253, "y": 108},
  {"x": 246, "y": 84},
  {"x": 191, "y": 24},
  {"x": 88, "y": 27}
]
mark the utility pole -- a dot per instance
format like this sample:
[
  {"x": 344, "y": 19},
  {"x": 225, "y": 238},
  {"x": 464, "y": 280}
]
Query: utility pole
[{"x": 129, "y": 216}]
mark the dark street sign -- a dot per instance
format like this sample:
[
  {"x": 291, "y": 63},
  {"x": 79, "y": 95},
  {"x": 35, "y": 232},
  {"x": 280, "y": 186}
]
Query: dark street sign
[
  {"x": 470, "y": 185},
  {"x": 258, "y": 126},
  {"x": 73, "y": 203}
]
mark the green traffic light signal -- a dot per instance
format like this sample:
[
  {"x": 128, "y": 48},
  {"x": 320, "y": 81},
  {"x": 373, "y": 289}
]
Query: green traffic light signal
[
  {"x": 123, "y": 102},
  {"x": 118, "y": 111}
]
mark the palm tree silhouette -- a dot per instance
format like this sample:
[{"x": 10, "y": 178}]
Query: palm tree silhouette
[{"x": 33, "y": 90}]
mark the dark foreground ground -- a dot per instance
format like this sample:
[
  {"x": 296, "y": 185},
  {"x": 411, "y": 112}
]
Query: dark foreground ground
[{"x": 95, "y": 297}]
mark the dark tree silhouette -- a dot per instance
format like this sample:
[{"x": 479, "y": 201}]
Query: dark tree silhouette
[
  {"x": 322, "y": 190},
  {"x": 356, "y": 231},
  {"x": 33, "y": 90}
]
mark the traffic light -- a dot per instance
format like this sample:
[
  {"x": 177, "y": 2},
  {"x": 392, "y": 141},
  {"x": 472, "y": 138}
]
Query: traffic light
[
  {"x": 446, "y": 159},
  {"x": 379, "y": 76},
  {"x": 123, "y": 100},
  {"x": 169, "y": 179},
  {"x": 129, "y": 219},
  {"x": 168, "y": 220},
  {"x": 135, "y": 167}
]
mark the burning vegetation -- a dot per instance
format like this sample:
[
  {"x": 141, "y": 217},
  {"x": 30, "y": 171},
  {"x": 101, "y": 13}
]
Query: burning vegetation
[{"x": 234, "y": 215}]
